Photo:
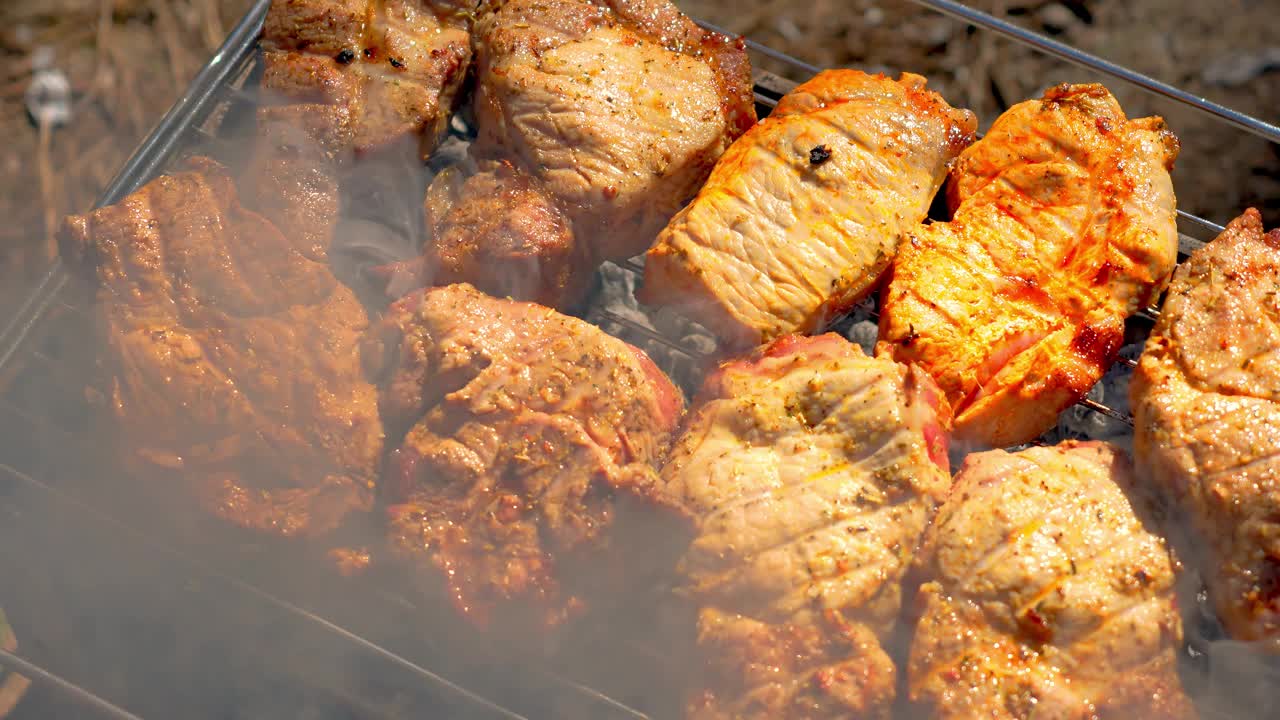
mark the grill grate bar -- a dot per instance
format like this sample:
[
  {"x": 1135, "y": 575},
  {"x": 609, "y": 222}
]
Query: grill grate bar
[
  {"x": 1071, "y": 54},
  {"x": 494, "y": 709},
  {"x": 84, "y": 697}
]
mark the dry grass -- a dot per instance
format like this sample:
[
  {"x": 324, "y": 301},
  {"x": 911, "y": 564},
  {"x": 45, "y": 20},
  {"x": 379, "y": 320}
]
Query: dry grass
[{"x": 127, "y": 61}]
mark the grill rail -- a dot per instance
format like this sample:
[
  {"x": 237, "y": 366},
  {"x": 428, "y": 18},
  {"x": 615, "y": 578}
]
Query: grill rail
[{"x": 35, "y": 321}]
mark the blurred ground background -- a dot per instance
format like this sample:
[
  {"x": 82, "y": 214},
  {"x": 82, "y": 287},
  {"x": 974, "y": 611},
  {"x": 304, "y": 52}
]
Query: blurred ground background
[{"x": 128, "y": 60}]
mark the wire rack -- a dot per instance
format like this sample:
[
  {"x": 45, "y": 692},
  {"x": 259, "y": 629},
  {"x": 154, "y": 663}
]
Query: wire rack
[{"x": 209, "y": 627}]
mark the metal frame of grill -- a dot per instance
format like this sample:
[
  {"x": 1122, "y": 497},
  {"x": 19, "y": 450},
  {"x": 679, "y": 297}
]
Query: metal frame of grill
[{"x": 33, "y": 480}]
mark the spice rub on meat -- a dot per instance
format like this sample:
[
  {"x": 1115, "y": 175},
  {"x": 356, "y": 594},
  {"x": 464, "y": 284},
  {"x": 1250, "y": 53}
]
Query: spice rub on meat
[
  {"x": 232, "y": 356},
  {"x": 1049, "y": 592},
  {"x": 808, "y": 472},
  {"x": 371, "y": 73},
  {"x": 1206, "y": 402},
  {"x": 597, "y": 122},
  {"x": 803, "y": 214},
  {"x": 1064, "y": 225},
  {"x": 519, "y": 432}
]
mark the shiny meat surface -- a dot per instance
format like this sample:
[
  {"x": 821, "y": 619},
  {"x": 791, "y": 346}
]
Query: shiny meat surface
[
  {"x": 804, "y": 213},
  {"x": 1064, "y": 224},
  {"x": 372, "y": 73},
  {"x": 619, "y": 108},
  {"x": 519, "y": 432},
  {"x": 809, "y": 471},
  {"x": 1206, "y": 400},
  {"x": 233, "y": 357},
  {"x": 499, "y": 230},
  {"x": 1049, "y": 594}
]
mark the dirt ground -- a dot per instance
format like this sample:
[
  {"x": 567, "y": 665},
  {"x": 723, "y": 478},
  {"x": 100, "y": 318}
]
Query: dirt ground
[{"x": 128, "y": 60}]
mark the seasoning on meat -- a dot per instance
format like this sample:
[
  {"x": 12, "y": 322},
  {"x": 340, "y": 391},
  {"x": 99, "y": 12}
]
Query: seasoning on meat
[
  {"x": 518, "y": 431},
  {"x": 1206, "y": 401},
  {"x": 607, "y": 116},
  {"x": 808, "y": 471},
  {"x": 233, "y": 371},
  {"x": 769, "y": 246},
  {"x": 1048, "y": 593},
  {"x": 359, "y": 102},
  {"x": 1064, "y": 225}
]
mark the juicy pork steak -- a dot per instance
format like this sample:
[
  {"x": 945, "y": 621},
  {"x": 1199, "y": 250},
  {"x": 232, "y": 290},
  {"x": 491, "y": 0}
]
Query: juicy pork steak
[
  {"x": 1064, "y": 225},
  {"x": 233, "y": 356},
  {"x": 523, "y": 430},
  {"x": 1206, "y": 399},
  {"x": 370, "y": 72},
  {"x": 803, "y": 214},
  {"x": 1049, "y": 594},
  {"x": 809, "y": 471},
  {"x": 612, "y": 113}
]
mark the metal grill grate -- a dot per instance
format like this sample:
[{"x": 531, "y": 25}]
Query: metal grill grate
[{"x": 44, "y": 421}]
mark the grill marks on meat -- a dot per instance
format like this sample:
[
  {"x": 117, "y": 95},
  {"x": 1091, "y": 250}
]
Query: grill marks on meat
[
  {"x": 372, "y": 72},
  {"x": 1064, "y": 224},
  {"x": 777, "y": 242},
  {"x": 1048, "y": 593},
  {"x": 1206, "y": 399},
  {"x": 809, "y": 471},
  {"x": 233, "y": 355},
  {"x": 597, "y": 122},
  {"x": 524, "y": 430}
]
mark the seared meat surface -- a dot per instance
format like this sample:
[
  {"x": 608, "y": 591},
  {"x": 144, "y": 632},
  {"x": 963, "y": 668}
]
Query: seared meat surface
[
  {"x": 804, "y": 213},
  {"x": 1206, "y": 400},
  {"x": 618, "y": 109},
  {"x": 1064, "y": 225},
  {"x": 233, "y": 356},
  {"x": 597, "y": 121},
  {"x": 523, "y": 430},
  {"x": 370, "y": 73},
  {"x": 809, "y": 472},
  {"x": 499, "y": 231},
  {"x": 1049, "y": 594}
]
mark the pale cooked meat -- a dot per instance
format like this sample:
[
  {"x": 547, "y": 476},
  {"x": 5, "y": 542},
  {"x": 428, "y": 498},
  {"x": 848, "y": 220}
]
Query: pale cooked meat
[
  {"x": 1049, "y": 593},
  {"x": 373, "y": 72},
  {"x": 809, "y": 471},
  {"x": 497, "y": 230},
  {"x": 523, "y": 429},
  {"x": 1064, "y": 225},
  {"x": 233, "y": 362},
  {"x": 1206, "y": 400},
  {"x": 618, "y": 109},
  {"x": 803, "y": 214}
]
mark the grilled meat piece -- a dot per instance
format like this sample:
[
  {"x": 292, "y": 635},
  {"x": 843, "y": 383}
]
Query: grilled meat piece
[
  {"x": 12, "y": 685},
  {"x": 597, "y": 121},
  {"x": 809, "y": 471},
  {"x": 1206, "y": 400},
  {"x": 804, "y": 213},
  {"x": 498, "y": 230},
  {"x": 523, "y": 430},
  {"x": 1064, "y": 225},
  {"x": 233, "y": 356},
  {"x": 372, "y": 73},
  {"x": 1049, "y": 593}
]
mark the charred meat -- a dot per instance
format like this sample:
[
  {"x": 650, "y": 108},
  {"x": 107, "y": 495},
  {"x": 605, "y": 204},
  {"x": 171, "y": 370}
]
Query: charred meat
[
  {"x": 519, "y": 431},
  {"x": 809, "y": 472},
  {"x": 804, "y": 213},
  {"x": 1064, "y": 225},
  {"x": 232, "y": 355},
  {"x": 1049, "y": 593},
  {"x": 1206, "y": 400}
]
